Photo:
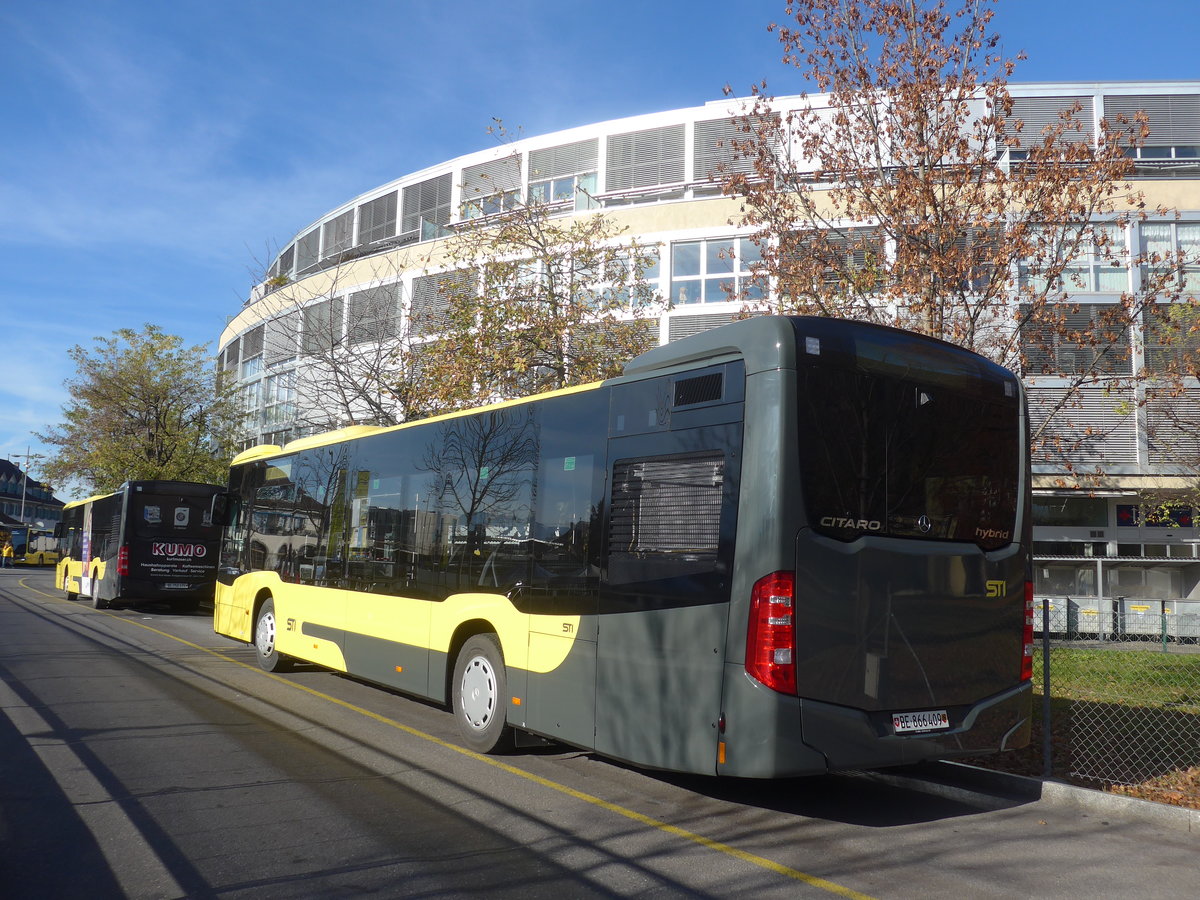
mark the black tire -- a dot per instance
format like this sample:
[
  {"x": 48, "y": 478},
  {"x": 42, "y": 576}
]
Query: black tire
[
  {"x": 266, "y": 627},
  {"x": 479, "y": 696},
  {"x": 98, "y": 602}
]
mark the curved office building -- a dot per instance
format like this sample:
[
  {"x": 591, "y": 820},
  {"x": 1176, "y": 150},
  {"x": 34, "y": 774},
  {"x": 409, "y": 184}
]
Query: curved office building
[{"x": 363, "y": 271}]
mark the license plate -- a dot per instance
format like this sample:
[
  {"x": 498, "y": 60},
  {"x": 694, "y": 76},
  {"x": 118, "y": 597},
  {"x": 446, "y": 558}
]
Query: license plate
[
  {"x": 929, "y": 720},
  {"x": 175, "y": 587}
]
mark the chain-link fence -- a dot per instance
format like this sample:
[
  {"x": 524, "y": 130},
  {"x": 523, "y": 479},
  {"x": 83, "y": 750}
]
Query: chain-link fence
[{"x": 1124, "y": 694}]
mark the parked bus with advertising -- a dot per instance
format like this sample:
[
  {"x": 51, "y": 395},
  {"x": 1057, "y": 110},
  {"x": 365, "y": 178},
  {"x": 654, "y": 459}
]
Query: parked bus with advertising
[
  {"x": 148, "y": 540},
  {"x": 33, "y": 545},
  {"x": 781, "y": 547}
]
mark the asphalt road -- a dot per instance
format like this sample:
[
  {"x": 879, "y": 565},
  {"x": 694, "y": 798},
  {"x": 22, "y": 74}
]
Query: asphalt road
[{"x": 143, "y": 756}]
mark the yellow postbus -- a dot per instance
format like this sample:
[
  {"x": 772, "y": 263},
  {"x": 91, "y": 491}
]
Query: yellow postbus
[{"x": 33, "y": 545}]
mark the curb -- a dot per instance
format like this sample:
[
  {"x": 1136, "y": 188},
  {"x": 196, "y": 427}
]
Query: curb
[{"x": 1000, "y": 790}]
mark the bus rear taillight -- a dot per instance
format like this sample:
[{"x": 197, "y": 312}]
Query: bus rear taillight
[
  {"x": 123, "y": 561},
  {"x": 1027, "y": 635},
  {"x": 771, "y": 635}
]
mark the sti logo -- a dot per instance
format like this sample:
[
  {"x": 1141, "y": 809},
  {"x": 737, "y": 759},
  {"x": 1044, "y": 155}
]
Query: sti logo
[{"x": 996, "y": 588}]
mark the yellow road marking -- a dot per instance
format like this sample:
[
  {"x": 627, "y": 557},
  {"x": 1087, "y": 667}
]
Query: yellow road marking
[{"x": 665, "y": 827}]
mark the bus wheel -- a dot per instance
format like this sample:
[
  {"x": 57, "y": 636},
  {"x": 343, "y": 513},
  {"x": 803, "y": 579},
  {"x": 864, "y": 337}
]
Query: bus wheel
[
  {"x": 265, "y": 629},
  {"x": 98, "y": 602},
  {"x": 478, "y": 695}
]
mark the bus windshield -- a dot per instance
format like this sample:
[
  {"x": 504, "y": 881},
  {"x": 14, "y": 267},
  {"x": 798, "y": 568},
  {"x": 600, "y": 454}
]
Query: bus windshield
[
  {"x": 155, "y": 515},
  {"x": 907, "y": 457},
  {"x": 20, "y": 539}
]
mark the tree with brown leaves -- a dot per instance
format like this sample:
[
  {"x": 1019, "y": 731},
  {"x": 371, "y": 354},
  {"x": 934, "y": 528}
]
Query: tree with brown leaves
[{"x": 908, "y": 193}]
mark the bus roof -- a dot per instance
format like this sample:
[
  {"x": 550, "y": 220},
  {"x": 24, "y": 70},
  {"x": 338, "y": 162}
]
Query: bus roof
[
  {"x": 151, "y": 485},
  {"x": 767, "y": 343},
  {"x": 91, "y": 499},
  {"x": 352, "y": 432}
]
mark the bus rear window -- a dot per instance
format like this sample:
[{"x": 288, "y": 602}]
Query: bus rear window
[
  {"x": 153, "y": 516},
  {"x": 903, "y": 458}
]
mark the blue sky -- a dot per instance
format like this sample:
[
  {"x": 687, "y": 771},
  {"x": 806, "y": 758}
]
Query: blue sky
[{"x": 154, "y": 153}]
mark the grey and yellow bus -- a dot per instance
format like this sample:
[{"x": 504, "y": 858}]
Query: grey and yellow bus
[
  {"x": 146, "y": 541},
  {"x": 784, "y": 546}
]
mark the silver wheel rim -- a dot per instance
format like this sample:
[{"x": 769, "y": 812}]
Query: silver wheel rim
[
  {"x": 478, "y": 693},
  {"x": 264, "y": 637}
]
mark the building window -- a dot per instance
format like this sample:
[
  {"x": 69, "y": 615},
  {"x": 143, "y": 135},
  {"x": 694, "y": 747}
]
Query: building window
[
  {"x": 1171, "y": 332},
  {"x": 307, "y": 250},
  {"x": 252, "y": 353},
  {"x": 1039, "y": 113},
  {"x": 564, "y": 174},
  {"x": 622, "y": 276},
  {"x": 1101, "y": 265},
  {"x": 279, "y": 398},
  {"x": 1189, "y": 152},
  {"x": 714, "y": 151},
  {"x": 577, "y": 190},
  {"x": 338, "y": 234},
  {"x": 1071, "y": 512},
  {"x": 377, "y": 219},
  {"x": 1076, "y": 338},
  {"x": 1085, "y": 549},
  {"x": 373, "y": 314},
  {"x": 491, "y": 204},
  {"x": 230, "y": 358},
  {"x": 1173, "y": 145},
  {"x": 1171, "y": 251},
  {"x": 715, "y": 271},
  {"x": 647, "y": 158},
  {"x": 280, "y": 339},
  {"x": 322, "y": 327},
  {"x": 287, "y": 260},
  {"x": 431, "y": 299},
  {"x": 252, "y": 397},
  {"x": 491, "y": 187},
  {"x": 855, "y": 260},
  {"x": 426, "y": 207}
]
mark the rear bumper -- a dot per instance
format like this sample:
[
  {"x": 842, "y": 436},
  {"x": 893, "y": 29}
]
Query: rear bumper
[
  {"x": 854, "y": 739},
  {"x": 149, "y": 590},
  {"x": 771, "y": 735}
]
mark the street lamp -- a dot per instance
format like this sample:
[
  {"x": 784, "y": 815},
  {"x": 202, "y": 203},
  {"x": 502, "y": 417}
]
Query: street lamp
[{"x": 29, "y": 457}]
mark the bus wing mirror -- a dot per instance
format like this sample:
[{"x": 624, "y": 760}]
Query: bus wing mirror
[
  {"x": 58, "y": 529},
  {"x": 222, "y": 508}
]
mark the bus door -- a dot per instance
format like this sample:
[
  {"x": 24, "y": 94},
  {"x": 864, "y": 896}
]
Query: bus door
[
  {"x": 85, "y": 551},
  {"x": 546, "y": 557},
  {"x": 665, "y": 585}
]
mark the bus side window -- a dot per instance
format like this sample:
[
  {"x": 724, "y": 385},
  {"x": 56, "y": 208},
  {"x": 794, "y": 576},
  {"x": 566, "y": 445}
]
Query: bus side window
[
  {"x": 320, "y": 516},
  {"x": 563, "y": 524},
  {"x": 665, "y": 518},
  {"x": 480, "y": 472},
  {"x": 270, "y": 522}
]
